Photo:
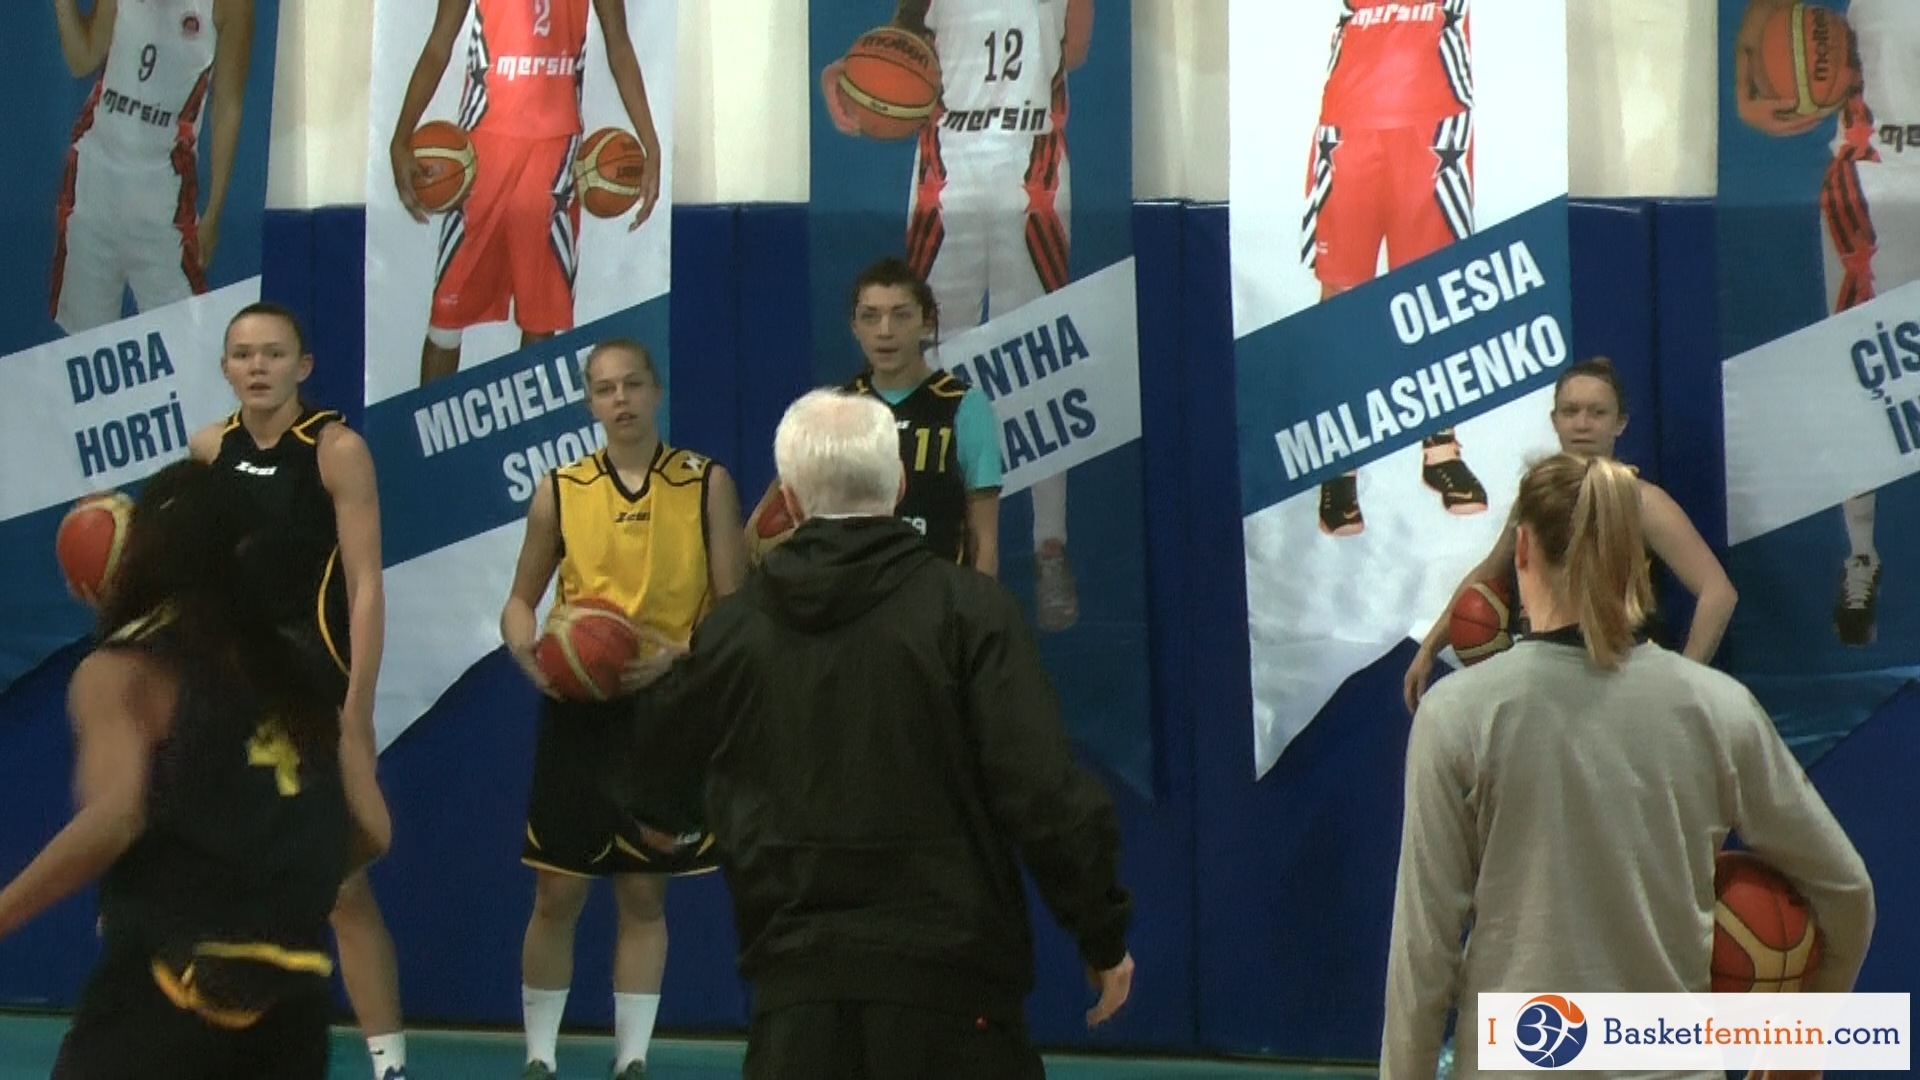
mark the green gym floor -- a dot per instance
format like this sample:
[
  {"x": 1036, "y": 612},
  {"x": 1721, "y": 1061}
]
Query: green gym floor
[{"x": 28, "y": 1045}]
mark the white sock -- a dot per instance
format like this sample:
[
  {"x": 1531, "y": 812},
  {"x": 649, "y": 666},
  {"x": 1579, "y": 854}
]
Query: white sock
[
  {"x": 633, "y": 1016},
  {"x": 1050, "y": 509},
  {"x": 1858, "y": 512},
  {"x": 388, "y": 1052},
  {"x": 541, "y": 1011}
]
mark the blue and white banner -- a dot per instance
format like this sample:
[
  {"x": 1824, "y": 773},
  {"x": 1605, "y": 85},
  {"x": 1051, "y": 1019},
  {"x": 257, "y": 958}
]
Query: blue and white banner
[
  {"x": 134, "y": 191},
  {"x": 477, "y": 321},
  {"x": 1398, "y": 185},
  {"x": 1015, "y": 200},
  {"x": 1819, "y": 245}
]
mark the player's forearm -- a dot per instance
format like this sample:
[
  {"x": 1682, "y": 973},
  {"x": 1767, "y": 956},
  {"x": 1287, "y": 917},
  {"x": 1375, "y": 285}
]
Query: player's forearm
[
  {"x": 76, "y": 857},
  {"x": 420, "y": 88},
  {"x": 371, "y": 821},
  {"x": 518, "y": 627},
  {"x": 1712, "y": 612},
  {"x": 633, "y": 95},
  {"x": 225, "y": 144},
  {"x": 985, "y": 548}
]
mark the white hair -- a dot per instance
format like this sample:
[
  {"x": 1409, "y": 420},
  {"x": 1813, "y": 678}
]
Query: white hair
[{"x": 840, "y": 455}]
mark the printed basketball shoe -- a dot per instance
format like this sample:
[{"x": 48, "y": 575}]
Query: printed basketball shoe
[
  {"x": 1056, "y": 603},
  {"x": 1340, "y": 507},
  {"x": 398, "y": 1072},
  {"x": 1442, "y": 469},
  {"x": 1859, "y": 592},
  {"x": 537, "y": 1070},
  {"x": 635, "y": 1071}
]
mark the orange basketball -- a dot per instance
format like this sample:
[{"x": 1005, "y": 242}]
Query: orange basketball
[
  {"x": 891, "y": 78},
  {"x": 769, "y": 525},
  {"x": 1764, "y": 935},
  {"x": 1480, "y": 624},
  {"x": 447, "y": 165},
  {"x": 1806, "y": 57},
  {"x": 607, "y": 171},
  {"x": 91, "y": 541},
  {"x": 586, "y": 644}
]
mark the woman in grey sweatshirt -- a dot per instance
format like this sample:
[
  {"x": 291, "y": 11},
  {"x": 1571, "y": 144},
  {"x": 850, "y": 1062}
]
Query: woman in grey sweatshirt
[{"x": 1566, "y": 799}]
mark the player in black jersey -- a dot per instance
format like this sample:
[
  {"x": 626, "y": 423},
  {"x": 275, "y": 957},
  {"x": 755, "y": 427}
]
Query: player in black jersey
[
  {"x": 218, "y": 805},
  {"x": 309, "y": 482},
  {"x": 949, "y": 440}
]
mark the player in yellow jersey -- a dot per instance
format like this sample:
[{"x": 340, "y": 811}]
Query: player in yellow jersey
[{"x": 658, "y": 531}]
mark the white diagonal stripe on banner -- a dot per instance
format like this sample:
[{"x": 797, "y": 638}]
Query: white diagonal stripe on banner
[
  {"x": 1806, "y": 431},
  {"x": 97, "y": 410}
]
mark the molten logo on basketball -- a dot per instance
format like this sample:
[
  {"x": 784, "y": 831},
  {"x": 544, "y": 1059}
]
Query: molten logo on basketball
[
  {"x": 1550, "y": 1031},
  {"x": 1823, "y": 59}
]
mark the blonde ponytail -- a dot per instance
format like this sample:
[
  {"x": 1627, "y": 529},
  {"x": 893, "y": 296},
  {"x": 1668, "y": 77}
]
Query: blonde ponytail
[{"x": 1585, "y": 515}]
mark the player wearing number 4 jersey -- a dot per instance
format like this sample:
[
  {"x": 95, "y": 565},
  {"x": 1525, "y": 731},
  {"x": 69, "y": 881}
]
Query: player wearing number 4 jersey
[
  {"x": 1869, "y": 206},
  {"x": 509, "y": 250},
  {"x": 1391, "y": 170},
  {"x": 989, "y": 220},
  {"x": 128, "y": 214}
]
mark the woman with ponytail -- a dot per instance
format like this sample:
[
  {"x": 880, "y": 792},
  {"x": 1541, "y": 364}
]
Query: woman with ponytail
[
  {"x": 1589, "y": 416},
  {"x": 1566, "y": 799}
]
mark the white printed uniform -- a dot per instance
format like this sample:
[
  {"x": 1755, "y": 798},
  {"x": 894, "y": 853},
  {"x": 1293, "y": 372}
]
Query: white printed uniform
[
  {"x": 128, "y": 208},
  {"x": 1870, "y": 202},
  {"x": 988, "y": 223}
]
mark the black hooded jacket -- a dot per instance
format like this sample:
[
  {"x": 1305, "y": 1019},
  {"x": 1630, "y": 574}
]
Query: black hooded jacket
[{"x": 877, "y": 745}]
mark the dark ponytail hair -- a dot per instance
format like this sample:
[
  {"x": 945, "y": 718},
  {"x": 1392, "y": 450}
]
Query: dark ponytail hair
[
  {"x": 1584, "y": 513},
  {"x": 187, "y": 555}
]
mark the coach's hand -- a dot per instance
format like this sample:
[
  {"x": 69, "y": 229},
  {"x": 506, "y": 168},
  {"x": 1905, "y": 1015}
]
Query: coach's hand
[
  {"x": 1114, "y": 985},
  {"x": 839, "y": 109},
  {"x": 1414, "y": 686},
  {"x": 405, "y": 170}
]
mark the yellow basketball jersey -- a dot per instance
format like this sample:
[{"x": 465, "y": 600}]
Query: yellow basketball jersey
[{"x": 645, "y": 550}]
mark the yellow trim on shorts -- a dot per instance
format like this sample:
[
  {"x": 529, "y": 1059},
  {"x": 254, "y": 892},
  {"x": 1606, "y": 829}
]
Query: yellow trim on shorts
[{"x": 179, "y": 990}]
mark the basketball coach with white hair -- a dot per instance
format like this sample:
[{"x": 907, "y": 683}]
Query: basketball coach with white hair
[{"x": 866, "y": 731}]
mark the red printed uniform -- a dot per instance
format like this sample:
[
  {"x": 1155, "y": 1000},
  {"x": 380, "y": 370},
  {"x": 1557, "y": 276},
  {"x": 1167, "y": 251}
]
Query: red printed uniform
[
  {"x": 1392, "y": 157},
  {"x": 512, "y": 241}
]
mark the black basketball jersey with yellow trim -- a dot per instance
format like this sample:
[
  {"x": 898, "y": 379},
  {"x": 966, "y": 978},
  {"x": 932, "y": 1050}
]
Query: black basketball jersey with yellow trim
[
  {"x": 297, "y": 556},
  {"x": 936, "y": 499},
  {"x": 230, "y": 885}
]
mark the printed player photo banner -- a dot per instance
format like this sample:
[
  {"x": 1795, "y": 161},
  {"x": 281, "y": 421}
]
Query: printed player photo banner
[
  {"x": 478, "y": 318},
  {"x": 1820, "y": 326},
  {"x": 1398, "y": 186},
  {"x": 1010, "y": 189},
  {"x": 135, "y": 183}
]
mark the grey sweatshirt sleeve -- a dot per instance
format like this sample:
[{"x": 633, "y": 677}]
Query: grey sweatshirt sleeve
[
  {"x": 1780, "y": 816},
  {"x": 1433, "y": 896}
]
